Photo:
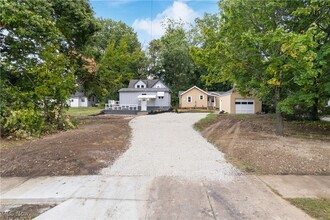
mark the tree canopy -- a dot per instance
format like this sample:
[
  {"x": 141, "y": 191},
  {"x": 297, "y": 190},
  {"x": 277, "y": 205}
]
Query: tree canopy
[
  {"x": 276, "y": 50},
  {"x": 39, "y": 41}
]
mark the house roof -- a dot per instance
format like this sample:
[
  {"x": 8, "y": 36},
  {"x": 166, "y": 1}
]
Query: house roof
[
  {"x": 144, "y": 90},
  {"x": 227, "y": 92},
  {"x": 149, "y": 83},
  {"x": 210, "y": 93},
  {"x": 78, "y": 95},
  {"x": 194, "y": 87}
]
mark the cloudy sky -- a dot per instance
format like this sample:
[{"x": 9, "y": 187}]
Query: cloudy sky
[{"x": 146, "y": 16}]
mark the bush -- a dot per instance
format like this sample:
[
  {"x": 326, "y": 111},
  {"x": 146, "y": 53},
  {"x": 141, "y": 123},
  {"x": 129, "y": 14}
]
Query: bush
[{"x": 23, "y": 123}]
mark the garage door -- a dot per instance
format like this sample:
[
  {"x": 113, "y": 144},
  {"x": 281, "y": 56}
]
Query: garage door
[{"x": 244, "y": 106}]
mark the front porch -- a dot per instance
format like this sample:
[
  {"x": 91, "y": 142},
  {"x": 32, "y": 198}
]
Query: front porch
[{"x": 113, "y": 107}]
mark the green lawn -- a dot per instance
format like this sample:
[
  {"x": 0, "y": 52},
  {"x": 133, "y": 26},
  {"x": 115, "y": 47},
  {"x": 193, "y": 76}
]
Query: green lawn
[
  {"x": 208, "y": 119},
  {"x": 84, "y": 111},
  {"x": 316, "y": 208}
]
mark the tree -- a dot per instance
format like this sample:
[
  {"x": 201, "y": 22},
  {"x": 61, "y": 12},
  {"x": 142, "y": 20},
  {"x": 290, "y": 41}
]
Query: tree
[
  {"x": 111, "y": 34},
  {"x": 111, "y": 31},
  {"x": 205, "y": 35},
  {"x": 117, "y": 67},
  {"x": 270, "y": 48},
  {"x": 39, "y": 41},
  {"x": 179, "y": 70},
  {"x": 155, "y": 68}
]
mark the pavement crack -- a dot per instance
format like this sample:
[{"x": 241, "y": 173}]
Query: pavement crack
[{"x": 208, "y": 198}]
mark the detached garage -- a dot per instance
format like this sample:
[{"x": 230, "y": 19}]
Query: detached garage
[{"x": 233, "y": 103}]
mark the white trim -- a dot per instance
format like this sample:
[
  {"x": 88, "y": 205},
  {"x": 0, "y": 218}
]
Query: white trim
[
  {"x": 161, "y": 94},
  {"x": 146, "y": 96},
  {"x": 135, "y": 86},
  {"x": 188, "y": 99}
]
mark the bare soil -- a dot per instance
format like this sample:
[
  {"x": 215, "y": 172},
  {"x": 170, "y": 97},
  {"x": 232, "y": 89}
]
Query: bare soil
[
  {"x": 24, "y": 212},
  {"x": 97, "y": 142},
  {"x": 250, "y": 143}
]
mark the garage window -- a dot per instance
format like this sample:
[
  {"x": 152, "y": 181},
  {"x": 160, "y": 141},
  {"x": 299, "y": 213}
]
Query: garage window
[
  {"x": 189, "y": 99},
  {"x": 250, "y": 103},
  {"x": 238, "y": 103},
  {"x": 244, "y": 103}
]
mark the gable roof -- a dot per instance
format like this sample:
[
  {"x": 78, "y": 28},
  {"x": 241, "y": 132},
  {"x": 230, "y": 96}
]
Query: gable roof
[
  {"x": 78, "y": 95},
  {"x": 149, "y": 83},
  {"x": 227, "y": 92},
  {"x": 194, "y": 87}
]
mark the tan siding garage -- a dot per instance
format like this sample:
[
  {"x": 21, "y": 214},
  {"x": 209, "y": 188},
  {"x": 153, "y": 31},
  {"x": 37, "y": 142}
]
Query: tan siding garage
[{"x": 234, "y": 103}]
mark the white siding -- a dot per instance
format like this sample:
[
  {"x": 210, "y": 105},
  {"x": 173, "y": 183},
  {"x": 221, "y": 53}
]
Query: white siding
[
  {"x": 139, "y": 84},
  {"x": 131, "y": 98},
  {"x": 79, "y": 102}
]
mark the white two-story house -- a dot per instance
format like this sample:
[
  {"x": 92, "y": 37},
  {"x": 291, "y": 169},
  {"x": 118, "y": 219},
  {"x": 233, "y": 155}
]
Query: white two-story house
[{"x": 148, "y": 95}]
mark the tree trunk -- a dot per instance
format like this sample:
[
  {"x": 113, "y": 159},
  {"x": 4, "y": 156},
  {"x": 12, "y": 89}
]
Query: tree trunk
[
  {"x": 314, "y": 115},
  {"x": 279, "y": 118}
]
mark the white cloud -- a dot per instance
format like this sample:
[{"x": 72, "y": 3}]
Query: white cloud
[{"x": 179, "y": 10}]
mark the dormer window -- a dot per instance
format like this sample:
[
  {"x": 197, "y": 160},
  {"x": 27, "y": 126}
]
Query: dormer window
[
  {"x": 138, "y": 86},
  {"x": 142, "y": 86}
]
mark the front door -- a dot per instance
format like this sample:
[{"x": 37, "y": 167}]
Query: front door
[{"x": 143, "y": 105}]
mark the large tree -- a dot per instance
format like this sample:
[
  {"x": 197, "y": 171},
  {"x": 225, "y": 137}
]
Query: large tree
[
  {"x": 113, "y": 50},
  {"x": 277, "y": 50},
  {"x": 118, "y": 65},
  {"x": 39, "y": 43},
  {"x": 178, "y": 71}
]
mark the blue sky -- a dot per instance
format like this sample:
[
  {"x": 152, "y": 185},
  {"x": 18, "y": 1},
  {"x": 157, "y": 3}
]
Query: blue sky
[{"x": 146, "y": 16}]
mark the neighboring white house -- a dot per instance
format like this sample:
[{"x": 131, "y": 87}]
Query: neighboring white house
[
  {"x": 79, "y": 99},
  {"x": 143, "y": 95}
]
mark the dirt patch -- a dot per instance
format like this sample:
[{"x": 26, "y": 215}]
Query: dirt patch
[
  {"x": 250, "y": 143},
  {"x": 24, "y": 212},
  {"x": 94, "y": 145}
]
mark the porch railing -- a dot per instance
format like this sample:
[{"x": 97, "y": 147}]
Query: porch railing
[{"x": 114, "y": 105}]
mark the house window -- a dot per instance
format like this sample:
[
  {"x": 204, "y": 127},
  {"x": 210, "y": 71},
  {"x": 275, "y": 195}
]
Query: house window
[
  {"x": 201, "y": 97},
  {"x": 138, "y": 86},
  {"x": 82, "y": 99},
  {"x": 189, "y": 98},
  {"x": 142, "y": 86},
  {"x": 144, "y": 93}
]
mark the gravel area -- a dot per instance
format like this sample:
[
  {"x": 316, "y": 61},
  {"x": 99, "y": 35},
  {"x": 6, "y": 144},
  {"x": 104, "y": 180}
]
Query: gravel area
[{"x": 167, "y": 145}]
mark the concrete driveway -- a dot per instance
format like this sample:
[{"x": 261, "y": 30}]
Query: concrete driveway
[{"x": 169, "y": 172}]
